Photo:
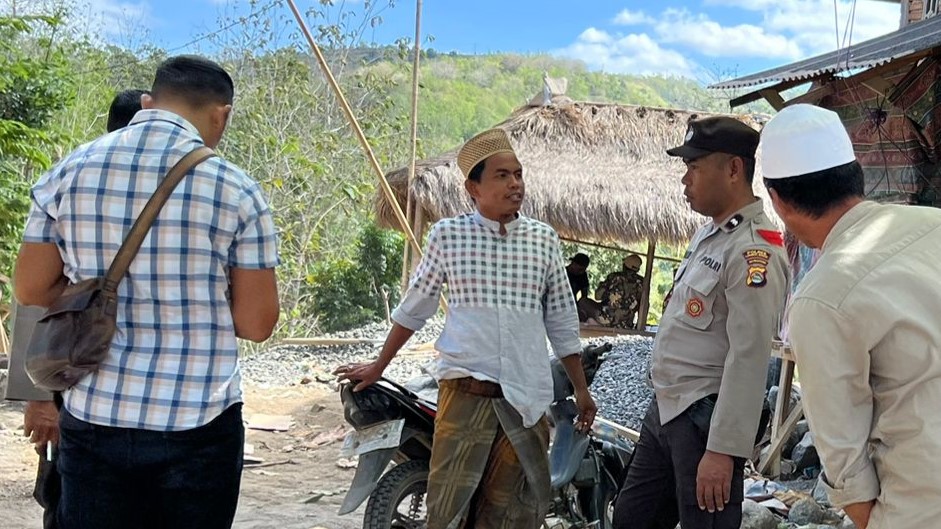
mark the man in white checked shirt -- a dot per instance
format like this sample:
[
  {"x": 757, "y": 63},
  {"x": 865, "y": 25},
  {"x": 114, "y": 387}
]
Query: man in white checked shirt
[
  {"x": 154, "y": 438},
  {"x": 508, "y": 291}
]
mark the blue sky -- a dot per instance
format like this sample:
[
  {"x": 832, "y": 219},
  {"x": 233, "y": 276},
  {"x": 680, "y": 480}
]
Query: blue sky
[{"x": 693, "y": 38}]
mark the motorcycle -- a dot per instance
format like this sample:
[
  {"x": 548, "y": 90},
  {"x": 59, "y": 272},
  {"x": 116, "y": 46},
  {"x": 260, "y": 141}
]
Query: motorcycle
[{"x": 393, "y": 423}]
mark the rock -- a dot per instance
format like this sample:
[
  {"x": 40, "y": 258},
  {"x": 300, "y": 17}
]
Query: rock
[
  {"x": 802, "y": 428},
  {"x": 807, "y": 511},
  {"x": 847, "y": 523},
  {"x": 306, "y": 380},
  {"x": 314, "y": 498},
  {"x": 755, "y": 516},
  {"x": 346, "y": 464},
  {"x": 820, "y": 493},
  {"x": 773, "y": 398},
  {"x": 805, "y": 453},
  {"x": 816, "y": 526}
]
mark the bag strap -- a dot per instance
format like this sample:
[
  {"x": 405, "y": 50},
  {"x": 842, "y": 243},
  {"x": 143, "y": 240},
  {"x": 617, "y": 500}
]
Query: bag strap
[{"x": 135, "y": 238}]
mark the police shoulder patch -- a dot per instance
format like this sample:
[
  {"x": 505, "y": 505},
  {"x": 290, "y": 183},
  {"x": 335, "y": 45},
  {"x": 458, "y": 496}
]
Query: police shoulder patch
[
  {"x": 774, "y": 238},
  {"x": 757, "y": 260}
]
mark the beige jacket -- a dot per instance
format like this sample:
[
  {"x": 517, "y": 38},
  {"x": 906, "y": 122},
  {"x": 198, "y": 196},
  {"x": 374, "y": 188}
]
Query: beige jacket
[
  {"x": 715, "y": 335},
  {"x": 866, "y": 331}
]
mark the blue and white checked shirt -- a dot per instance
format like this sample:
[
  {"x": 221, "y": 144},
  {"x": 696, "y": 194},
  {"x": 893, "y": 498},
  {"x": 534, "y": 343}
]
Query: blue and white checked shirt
[
  {"x": 173, "y": 364},
  {"x": 507, "y": 294}
]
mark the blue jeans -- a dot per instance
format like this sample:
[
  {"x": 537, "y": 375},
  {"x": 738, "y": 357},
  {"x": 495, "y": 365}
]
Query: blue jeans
[{"x": 125, "y": 478}]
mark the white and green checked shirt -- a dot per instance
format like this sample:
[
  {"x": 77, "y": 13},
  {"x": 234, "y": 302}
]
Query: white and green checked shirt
[{"x": 507, "y": 293}]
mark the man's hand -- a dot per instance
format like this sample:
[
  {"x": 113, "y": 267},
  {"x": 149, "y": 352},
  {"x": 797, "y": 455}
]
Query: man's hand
[
  {"x": 365, "y": 374},
  {"x": 586, "y": 411},
  {"x": 860, "y": 512},
  {"x": 41, "y": 424},
  {"x": 714, "y": 481}
]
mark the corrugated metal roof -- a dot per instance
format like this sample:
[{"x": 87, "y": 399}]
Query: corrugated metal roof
[{"x": 904, "y": 42}]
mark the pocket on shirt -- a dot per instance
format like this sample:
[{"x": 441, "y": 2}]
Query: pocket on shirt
[{"x": 700, "y": 283}]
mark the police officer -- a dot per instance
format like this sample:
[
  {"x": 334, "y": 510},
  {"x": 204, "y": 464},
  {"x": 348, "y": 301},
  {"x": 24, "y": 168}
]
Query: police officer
[{"x": 711, "y": 352}]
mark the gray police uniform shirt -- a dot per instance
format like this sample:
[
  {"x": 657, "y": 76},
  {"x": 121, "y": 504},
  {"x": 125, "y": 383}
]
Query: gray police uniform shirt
[
  {"x": 19, "y": 386},
  {"x": 715, "y": 336}
]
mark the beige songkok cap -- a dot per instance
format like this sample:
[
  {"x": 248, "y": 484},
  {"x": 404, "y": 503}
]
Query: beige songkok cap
[{"x": 481, "y": 147}]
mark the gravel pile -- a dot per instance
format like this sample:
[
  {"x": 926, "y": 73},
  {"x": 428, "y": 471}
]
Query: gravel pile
[
  {"x": 285, "y": 365},
  {"x": 619, "y": 388}
]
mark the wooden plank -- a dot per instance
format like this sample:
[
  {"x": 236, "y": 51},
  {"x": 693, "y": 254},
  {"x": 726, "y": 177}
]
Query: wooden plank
[
  {"x": 598, "y": 331},
  {"x": 773, "y": 97},
  {"x": 780, "y": 410},
  {"x": 813, "y": 96},
  {"x": 780, "y": 87},
  {"x": 782, "y": 350},
  {"x": 618, "y": 249},
  {"x": 326, "y": 342},
  {"x": 778, "y": 442},
  {"x": 644, "y": 309}
]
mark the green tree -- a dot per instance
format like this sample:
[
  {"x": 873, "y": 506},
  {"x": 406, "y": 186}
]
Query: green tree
[{"x": 35, "y": 82}]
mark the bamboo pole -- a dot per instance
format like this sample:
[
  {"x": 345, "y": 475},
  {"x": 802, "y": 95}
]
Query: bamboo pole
[
  {"x": 418, "y": 228},
  {"x": 348, "y": 111},
  {"x": 354, "y": 123},
  {"x": 411, "y": 209},
  {"x": 407, "y": 250}
]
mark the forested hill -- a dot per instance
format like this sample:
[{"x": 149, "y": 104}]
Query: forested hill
[
  {"x": 461, "y": 94},
  {"x": 288, "y": 133}
]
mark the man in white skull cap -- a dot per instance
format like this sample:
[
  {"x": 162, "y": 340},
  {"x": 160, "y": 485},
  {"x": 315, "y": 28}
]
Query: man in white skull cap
[{"x": 863, "y": 324}]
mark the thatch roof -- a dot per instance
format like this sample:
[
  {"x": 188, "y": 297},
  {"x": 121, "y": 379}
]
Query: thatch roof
[{"x": 595, "y": 172}]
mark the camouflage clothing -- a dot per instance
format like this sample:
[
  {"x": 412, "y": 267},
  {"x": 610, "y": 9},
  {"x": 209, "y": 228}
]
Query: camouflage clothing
[{"x": 620, "y": 293}]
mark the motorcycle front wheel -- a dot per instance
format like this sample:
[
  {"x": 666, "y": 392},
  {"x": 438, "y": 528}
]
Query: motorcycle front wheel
[{"x": 399, "y": 499}]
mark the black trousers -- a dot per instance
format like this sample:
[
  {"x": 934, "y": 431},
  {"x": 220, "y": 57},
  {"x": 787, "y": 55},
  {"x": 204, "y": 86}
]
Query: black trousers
[
  {"x": 48, "y": 486},
  {"x": 47, "y": 490},
  {"x": 122, "y": 478},
  {"x": 660, "y": 488}
]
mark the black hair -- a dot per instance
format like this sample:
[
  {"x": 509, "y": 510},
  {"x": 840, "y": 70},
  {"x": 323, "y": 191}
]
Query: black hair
[
  {"x": 817, "y": 193},
  {"x": 749, "y": 166},
  {"x": 123, "y": 108},
  {"x": 477, "y": 172},
  {"x": 193, "y": 79}
]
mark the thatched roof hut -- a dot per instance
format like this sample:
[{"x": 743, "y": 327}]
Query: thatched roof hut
[{"x": 596, "y": 172}]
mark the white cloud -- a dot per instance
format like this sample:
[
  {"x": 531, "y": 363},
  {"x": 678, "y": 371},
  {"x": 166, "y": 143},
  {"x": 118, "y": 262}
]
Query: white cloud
[
  {"x": 777, "y": 31},
  {"x": 119, "y": 18},
  {"x": 700, "y": 33},
  {"x": 634, "y": 53},
  {"x": 813, "y": 25},
  {"x": 111, "y": 9},
  {"x": 632, "y": 18}
]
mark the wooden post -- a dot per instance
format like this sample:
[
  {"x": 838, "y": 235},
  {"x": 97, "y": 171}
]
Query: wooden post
[
  {"x": 645, "y": 295},
  {"x": 781, "y": 428},
  {"x": 781, "y": 411},
  {"x": 418, "y": 228},
  {"x": 408, "y": 251}
]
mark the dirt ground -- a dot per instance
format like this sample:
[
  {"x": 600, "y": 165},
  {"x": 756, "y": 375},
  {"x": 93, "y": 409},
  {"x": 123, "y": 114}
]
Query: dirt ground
[{"x": 297, "y": 486}]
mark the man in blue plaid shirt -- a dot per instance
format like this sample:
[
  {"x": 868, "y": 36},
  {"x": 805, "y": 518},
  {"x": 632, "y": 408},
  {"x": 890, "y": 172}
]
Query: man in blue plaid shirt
[{"x": 154, "y": 438}]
